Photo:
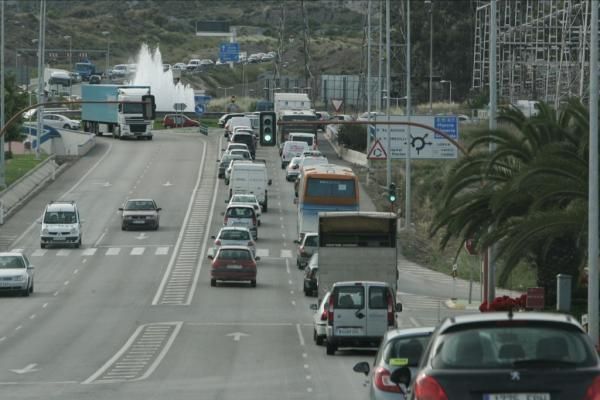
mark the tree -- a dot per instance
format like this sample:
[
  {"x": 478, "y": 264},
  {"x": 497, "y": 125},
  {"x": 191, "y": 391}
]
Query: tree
[{"x": 15, "y": 100}]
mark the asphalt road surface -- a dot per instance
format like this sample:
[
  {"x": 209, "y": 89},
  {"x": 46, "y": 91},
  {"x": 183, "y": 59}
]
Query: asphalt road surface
[{"x": 131, "y": 315}]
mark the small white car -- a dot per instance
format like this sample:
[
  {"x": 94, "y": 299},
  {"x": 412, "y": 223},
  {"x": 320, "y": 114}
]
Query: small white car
[
  {"x": 293, "y": 169},
  {"x": 234, "y": 236},
  {"x": 60, "y": 121},
  {"x": 61, "y": 224},
  {"x": 320, "y": 320},
  {"x": 16, "y": 273},
  {"x": 247, "y": 199}
]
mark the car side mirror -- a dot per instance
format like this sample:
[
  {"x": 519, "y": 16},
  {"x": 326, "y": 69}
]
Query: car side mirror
[
  {"x": 210, "y": 257},
  {"x": 270, "y": 182},
  {"x": 159, "y": 208},
  {"x": 401, "y": 375},
  {"x": 314, "y": 307},
  {"x": 226, "y": 201},
  {"x": 398, "y": 307},
  {"x": 120, "y": 208},
  {"x": 213, "y": 237},
  {"x": 218, "y": 160},
  {"x": 295, "y": 167},
  {"x": 296, "y": 241},
  {"x": 31, "y": 267},
  {"x": 362, "y": 367},
  {"x": 257, "y": 258}
]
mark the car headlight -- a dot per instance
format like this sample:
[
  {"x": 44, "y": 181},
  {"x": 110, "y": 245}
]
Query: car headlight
[
  {"x": 150, "y": 216},
  {"x": 20, "y": 278},
  {"x": 45, "y": 231},
  {"x": 73, "y": 231}
]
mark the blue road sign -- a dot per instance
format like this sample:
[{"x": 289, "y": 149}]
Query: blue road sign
[
  {"x": 229, "y": 52},
  {"x": 448, "y": 125}
]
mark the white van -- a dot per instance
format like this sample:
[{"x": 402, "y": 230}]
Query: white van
[
  {"x": 250, "y": 178},
  {"x": 359, "y": 313},
  {"x": 309, "y": 138},
  {"x": 61, "y": 224},
  {"x": 236, "y": 121},
  {"x": 290, "y": 150}
]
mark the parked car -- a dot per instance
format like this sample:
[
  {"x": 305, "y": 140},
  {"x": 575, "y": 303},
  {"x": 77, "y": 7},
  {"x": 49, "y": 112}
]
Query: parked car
[
  {"x": 359, "y": 314},
  {"x": 234, "y": 236},
  {"x": 233, "y": 263},
  {"x": 16, "y": 273},
  {"x": 293, "y": 169},
  {"x": 320, "y": 320},
  {"x": 242, "y": 215},
  {"x": 60, "y": 121},
  {"x": 193, "y": 65},
  {"x": 179, "y": 121},
  {"x": 249, "y": 199},
  {"x": 311, "y": 279},
  {"x": 180, "y": 66},
  {"x": 308, "y": 244},
  {"x": 399, "y": 348},
  {"x": 140, "y": 213},
  {"x": 499, "y": 355}
]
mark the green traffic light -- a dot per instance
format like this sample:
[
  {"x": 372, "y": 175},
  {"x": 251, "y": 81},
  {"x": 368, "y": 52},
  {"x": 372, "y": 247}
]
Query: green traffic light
[
  {"x": 267, "y": 138},
  {"x": 392, "y": 198}
]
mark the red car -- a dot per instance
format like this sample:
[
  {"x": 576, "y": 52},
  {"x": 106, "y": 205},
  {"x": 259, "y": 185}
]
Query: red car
[
  {"x": 179, "y": 121},
  {"x": 233, "y": 263}
]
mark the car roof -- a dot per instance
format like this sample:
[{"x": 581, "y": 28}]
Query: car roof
[
  {"x": 233, "y": 247},
  {"x": 240, "y": 205},
  {"x": 234, "y": 228},
  {"x": 61, "y": 206},
  {"x": 407, "y": 332},
  {"x": 467, "y": 319},
  {"x": 364, "y": 283},
  {"x": 10, "y": 254},
  {"x": 140, "y": 200}
]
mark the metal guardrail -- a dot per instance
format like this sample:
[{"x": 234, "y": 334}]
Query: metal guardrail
[{"x": 203, "y": 129}]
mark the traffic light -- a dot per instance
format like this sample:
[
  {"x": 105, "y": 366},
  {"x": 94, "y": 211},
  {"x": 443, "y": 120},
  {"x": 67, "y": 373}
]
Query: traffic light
[
  {"x": 267, "y": 128},
  {"x": 149, "y": 109},
  {"x": 392, "y": 193}
]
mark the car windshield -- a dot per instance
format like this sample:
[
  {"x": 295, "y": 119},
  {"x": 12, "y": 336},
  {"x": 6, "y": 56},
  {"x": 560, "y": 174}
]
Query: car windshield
[
  {"x": 11, "y": 262},
  {"x": 312, "y": 241},
  {"x": 139, "y": 205},
  {"x": 510, "y": 344},
  {"x": 241, "y": 198},
  {"x": 234, "y": 254},
  {"x": 235, "y": 234},
  {"x": 405, "y": 351},
  {"x": 240, "y": 212},
  {"x": 60, "y": 217}
]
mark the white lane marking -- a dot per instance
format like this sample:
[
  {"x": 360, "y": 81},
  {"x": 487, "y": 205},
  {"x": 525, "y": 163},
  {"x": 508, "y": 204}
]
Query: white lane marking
[
  {"x": 414, "y": 321},
  {"x": 309, "y": 390},
  {"x": 293, "y": 303},
  {"x": 3, "y": 338},
  {"x": 97, "y": 243},
  {"x": 287, "y": 265},
  {"x": 38, "y": 253},
  {"x": 113, "y": 251},
  {"x": 188, "y": 213},
  {"x": 75, "y": 271},
  {"x": 304, "y": 355},
  {"x": 282, "y": 226},
  {"x": 290, "y": 282},
  {"x": 55, "y": 293},
  {"x": 137, "y": 251},
  {"x": 276, "y": 324},
  {"x": 65, "y": 194},
  {"x": 285, "y": 253},
  {"x": 281, "y": 218},
  {"x": 306, "y": 366},
  {"x": 89, "y": 251},
  {"x": 308, "y": 377},
  {"x": 262, "y": 252},
  {"x": 63, "y": 253},
  {"x": 44, "y": 305},
  {"x": 300, "y": 337},
  {"x": 84, "y": 261},
  {"x": 18, "y": 328},
  {"x": 32, "y": 316},
  {"x": 163, "y": 352},
  {"x": 161, "y": 251},
  {"x": 206, "y": 236},
  {"x": 66, "y": 283},
  {"x": 16, "y": 250},
  {"x": 292, "y": 292}
]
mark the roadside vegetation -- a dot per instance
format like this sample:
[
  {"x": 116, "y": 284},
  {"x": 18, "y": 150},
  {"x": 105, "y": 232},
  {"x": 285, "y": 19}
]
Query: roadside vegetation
[{"x": 20, "y": 164}]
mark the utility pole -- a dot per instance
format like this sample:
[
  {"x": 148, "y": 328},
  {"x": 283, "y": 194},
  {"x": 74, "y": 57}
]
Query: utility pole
[
  {"x": 2, "y": 161},
  {"x": 430, "y": 2},
  {"x": 407, "y": 171},
  {"x": 380, "y": 58},
  {"x": 387, "y": 93},
  {"x": 41, "y": 68},
  {"x": 593, "y": 183},
  {"x": 368, "y": 86},
  {"x": 491, "y": 267}
]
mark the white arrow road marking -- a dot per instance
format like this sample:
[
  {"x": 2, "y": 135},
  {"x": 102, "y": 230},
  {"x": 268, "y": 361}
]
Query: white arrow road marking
[
  {"x": 141, "y": 236},
  {"x": 27, "y": 369},
  {"x": 167, "y": 184},
  {"x": 237, "y": 335}
]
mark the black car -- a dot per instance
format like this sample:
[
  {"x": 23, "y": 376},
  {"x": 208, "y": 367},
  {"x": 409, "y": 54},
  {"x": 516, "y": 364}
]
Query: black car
[
  {"x": 506, "y": 355},
  {"x": 224, "y": 163},
  {"x": 95, "y": 80},
  {"x": 311, "y": 272}
]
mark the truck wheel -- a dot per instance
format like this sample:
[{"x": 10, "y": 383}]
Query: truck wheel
[
  {"x": 253, "y": 283},
  {"x": 42, "y": 245},
  {"x": 149, "y": 137},
  {"x": 318, "y": 339},
  {"x": 331, "y": 349},
  {"x": 213, "y": 282}
]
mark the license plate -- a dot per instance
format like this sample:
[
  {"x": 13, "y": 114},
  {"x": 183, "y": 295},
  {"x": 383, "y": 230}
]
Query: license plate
[
  {"x": 349, "y": 331},
  {"x": 6, "y": 284},
  {"x": 517, "y": 396},
  {"x": 137, "y": 221},
  {"x": 234, "y": 266}
]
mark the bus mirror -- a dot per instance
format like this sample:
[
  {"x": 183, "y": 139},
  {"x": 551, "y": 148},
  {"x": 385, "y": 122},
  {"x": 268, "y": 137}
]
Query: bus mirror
[{"x": 270, "y": 182}]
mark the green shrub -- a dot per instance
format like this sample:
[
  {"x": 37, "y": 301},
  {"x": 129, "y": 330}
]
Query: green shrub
[{"x": 353, "y": 137}]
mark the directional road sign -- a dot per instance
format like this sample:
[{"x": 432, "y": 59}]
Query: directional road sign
[
  {"x": 229, "y": 52},
  {"x": 179, "y": 107},
  {"x": 424, "y": 144},
  {"x": 377, "y": 151}
]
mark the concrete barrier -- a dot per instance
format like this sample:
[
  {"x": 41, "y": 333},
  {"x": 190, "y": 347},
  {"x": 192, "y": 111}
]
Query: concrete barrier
[{"x": 352, "y": 156}]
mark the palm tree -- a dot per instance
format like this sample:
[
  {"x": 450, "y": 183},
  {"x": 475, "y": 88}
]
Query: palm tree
[{"x": 529, "y": 197}]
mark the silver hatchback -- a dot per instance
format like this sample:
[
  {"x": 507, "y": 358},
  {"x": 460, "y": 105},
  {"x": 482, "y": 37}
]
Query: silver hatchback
[
  {"x": 307, "y": 246},
  {"x": 16, "y": 273}
]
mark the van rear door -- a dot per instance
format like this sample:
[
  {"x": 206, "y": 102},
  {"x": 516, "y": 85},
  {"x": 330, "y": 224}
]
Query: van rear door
[
  {"x": 349, "y": 314},
  {"x": 377, "y": 310}
]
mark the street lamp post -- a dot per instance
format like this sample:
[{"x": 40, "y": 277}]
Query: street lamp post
[
  {"x": 449, "y": 82},
  {"x": 107, "y": 33},
  {"x": 68, "y": 37},
  {"x": 430, "y": 3}
]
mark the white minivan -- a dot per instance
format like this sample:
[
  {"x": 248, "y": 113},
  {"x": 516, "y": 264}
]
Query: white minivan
[
  {"x": 290, "y": 150},
  {"x": 237, "y": 121},
  {"x": 250, "y": 178},
  {"x": 309, "y": 138},
  {"x": 359, "y": 313},
  {"x": 61, "y": 224}
]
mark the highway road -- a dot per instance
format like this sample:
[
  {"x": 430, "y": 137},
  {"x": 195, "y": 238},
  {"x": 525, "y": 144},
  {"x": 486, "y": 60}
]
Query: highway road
[{"x": 131, "y": 315}]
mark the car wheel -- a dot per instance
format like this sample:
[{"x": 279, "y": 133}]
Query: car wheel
[
  {"x": 66, "y": 126},
  {"x": 282, "y": 166},
  {"x": 156, "y": 227},
  {"x": 149, "y": 137},
  {"x": 123, "y": 227},
  {"x": 42, "y": 245},
  {"x": 213, "y": 282},
  {"x": 253, "y": 283},
  {"x": 31, "y": 288},
  {"x": 331, "y": 349},
  {"x": 318, "y": 340},
  {"x": 226, "y": 181},
  {"x": 259, "y": 222},
  {"x": 78, "y": 244},
  {"x": 25, "y": 292}
]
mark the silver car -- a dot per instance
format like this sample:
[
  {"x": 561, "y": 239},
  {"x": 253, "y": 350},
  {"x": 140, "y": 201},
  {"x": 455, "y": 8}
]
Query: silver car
[
  {"x": 247, "y": 199},
  {"x": 140, "y": 213},
  {"x": 16, "y": 273},
  {"x": 320, "y": 320},
  {"x": 307, "y": 246},
  {"x": 399, "y": 348},
  {"x": 234, "y": 236}
]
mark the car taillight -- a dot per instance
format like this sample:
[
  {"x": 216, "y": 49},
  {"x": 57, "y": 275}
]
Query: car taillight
[
  {"x": 390, "y": 310},
  {"x": 593, "y": 391},
  {"x": 383, "y": 382},
  {"x": 330, "y": 311},
  {"x": 253, "y": 220},
  {"x": 428, "y": 388},
  {"x": 302, "y": 253},
  {"x": 225, "y": 221},
  {"x": 324, "y": 315},
  {"x": 218, "y": 242}
]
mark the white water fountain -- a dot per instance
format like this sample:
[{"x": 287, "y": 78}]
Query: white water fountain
[{"x": 150, "y": 72}]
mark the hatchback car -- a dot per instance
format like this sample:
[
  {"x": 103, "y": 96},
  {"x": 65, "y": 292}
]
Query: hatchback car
[
  {"x": 16, "y": 273},
  {"x": 307, "y": 246},
  {"x": 247, "y": 199},
  {"x": 60, "y": 121},
  {"x": 293, "y": 169},
  {"x": 242, "y": 215},
  {"x": 311, "y": 280},
  {"x": 224, "y": 163},
  {"x": 505, "y": 355},
  {"x": 399, "y": 348},
  {"x": 233, "y": 263},
  {"x": 234, "y": 236},
  {"x": 140, "y": 213},
  {"x": 179, "y": 121},
  {"x": 320, "y": 320},
  {"x": 235, "y": 146}
]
